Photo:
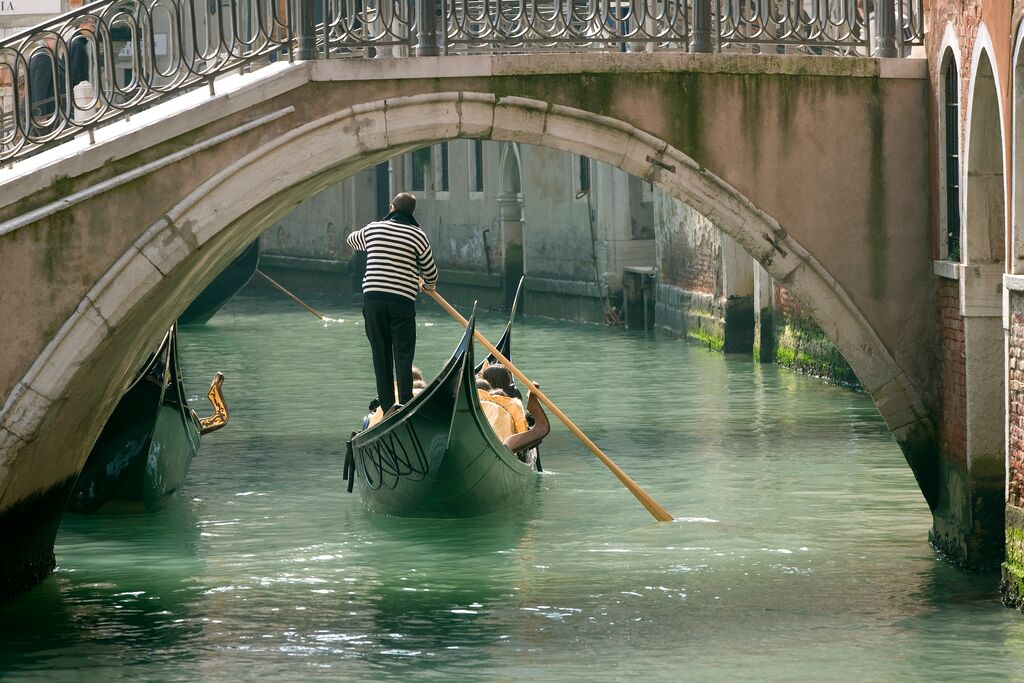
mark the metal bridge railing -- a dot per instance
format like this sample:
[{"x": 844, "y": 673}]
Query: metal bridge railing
[{"x": 111, "y": 58}]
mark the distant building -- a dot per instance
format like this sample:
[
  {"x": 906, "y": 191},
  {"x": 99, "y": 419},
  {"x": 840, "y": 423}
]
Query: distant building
[{"x": 494, "y": 211}]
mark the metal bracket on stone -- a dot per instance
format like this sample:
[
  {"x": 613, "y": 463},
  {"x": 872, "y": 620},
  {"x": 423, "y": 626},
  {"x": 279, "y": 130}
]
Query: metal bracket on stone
[
  {"x": 661, "y": 164},
  {"x": 776, "y": 245}
]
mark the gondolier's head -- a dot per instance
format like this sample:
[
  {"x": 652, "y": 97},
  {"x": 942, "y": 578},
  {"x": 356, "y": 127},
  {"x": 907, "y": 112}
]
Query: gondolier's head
[{"x": 404, "y": 202}]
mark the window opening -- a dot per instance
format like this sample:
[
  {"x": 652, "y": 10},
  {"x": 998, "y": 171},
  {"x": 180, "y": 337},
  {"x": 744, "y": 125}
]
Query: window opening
[{"x": 952, "y": 96}]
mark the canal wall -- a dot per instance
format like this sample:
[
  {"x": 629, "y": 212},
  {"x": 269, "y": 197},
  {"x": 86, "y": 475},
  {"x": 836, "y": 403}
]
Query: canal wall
[
  {"x": 705, "y": 291},
  {"x": 969, "y": 512},
  {"x": 801, "y": 345},
  {"x": 712, "y": 293}
]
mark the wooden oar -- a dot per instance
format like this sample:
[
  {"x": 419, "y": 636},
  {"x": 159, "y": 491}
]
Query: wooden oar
[
  {"x": 289, "y": 294},
  {"x": 652, "y": 506}
]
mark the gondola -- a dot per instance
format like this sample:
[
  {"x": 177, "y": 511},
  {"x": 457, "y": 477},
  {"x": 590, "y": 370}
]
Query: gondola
[
  {"x": 438, "y": 456},
  {"x": 223, "y": 287},
  {"x": 144, "y": 451}
]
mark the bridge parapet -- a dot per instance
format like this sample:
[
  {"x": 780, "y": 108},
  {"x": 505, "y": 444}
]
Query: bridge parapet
[{"x": 112, "y": 59}]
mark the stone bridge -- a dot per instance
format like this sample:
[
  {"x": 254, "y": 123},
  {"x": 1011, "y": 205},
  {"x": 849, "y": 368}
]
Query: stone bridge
[{"x": 817, "y": 166}]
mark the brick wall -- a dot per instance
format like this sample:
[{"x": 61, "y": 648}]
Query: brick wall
[
  {"x": 952, "y": 374},
  {"x": 965, "y": 17},
  {"x": 787, "y": 304},
  {"x": 1016, "y": 389},
  {"x": 689, "y": 248},
  {"x": 692, "y": 261}
]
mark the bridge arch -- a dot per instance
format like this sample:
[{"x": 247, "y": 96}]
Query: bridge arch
[
  {"x": 184, "y": 249},
  {"x": 985, "y": 153}
]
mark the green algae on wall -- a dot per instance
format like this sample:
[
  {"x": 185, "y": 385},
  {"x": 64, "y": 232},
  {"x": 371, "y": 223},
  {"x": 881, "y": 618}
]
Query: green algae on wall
[
  {"x": 705, "y": 337},
  {"x": 802, "y": 346},
  {"x": 1012, "y": 583}
]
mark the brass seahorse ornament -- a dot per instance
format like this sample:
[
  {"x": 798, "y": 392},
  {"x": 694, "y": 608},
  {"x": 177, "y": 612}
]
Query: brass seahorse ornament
[{"x": 220, "y": 407}]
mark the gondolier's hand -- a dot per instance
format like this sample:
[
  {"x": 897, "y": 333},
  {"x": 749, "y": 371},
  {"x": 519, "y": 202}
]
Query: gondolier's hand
[{"x": 424, "y": 286}]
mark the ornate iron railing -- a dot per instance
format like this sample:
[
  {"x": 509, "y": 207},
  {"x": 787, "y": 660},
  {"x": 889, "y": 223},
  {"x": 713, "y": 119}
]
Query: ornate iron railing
[
  {"x": 504, "y": 25},
  {"x": 115, "y": 57}
]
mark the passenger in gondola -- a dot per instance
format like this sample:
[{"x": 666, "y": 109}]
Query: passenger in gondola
[
  {"x": 505, "y": 414},
  {"x": 500, "y": 379},
  {"x": 417, "y": 379}
]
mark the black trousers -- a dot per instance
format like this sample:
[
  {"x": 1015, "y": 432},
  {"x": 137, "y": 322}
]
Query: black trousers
[{"x": 391, "y": 329}]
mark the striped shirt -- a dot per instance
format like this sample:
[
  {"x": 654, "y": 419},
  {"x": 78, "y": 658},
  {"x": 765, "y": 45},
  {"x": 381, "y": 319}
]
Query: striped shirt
[{"x": 397, "y": 255}]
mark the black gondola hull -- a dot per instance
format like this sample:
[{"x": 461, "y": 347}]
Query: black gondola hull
[
  {"x": 438, "y": 456},
  {"x": 144, "y": 451},
  {"x": 223, "y": 287}
]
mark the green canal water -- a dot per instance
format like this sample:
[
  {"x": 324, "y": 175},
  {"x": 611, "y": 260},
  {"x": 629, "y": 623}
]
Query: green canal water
[{"x": 799, "y": 552}]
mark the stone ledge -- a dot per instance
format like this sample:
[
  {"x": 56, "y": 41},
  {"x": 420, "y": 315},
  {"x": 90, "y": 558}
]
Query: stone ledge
[
  {"x": 550, "y": 285},
  {"x": 468, "y": 277},
  {"x": 304, "y": 263},
  {"x": 1013, "y": 282},
  {"x": 554, "y": 63},
  {"x": 950, "y": 270}
]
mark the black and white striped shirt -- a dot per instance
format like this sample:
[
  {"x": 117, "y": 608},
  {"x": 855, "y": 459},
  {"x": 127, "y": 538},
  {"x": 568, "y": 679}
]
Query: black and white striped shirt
[{"x": 397, "y": 255}]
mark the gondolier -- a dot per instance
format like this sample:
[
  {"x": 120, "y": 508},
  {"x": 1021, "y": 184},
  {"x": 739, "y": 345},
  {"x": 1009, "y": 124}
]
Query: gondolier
[{"x": 398, "y": 259}]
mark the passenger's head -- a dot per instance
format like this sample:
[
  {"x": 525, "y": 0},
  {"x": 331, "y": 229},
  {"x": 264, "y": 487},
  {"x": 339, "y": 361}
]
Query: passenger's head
[
  {"x": 404, "y": 202},
  {"x": 498, "y": 392},
  {"x": 417, "y": 374},
  {"x": 499, "y": 377},
  {"x": 483, "y": 384}
]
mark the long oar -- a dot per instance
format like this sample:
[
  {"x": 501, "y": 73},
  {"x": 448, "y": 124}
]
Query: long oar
[
  {"x": 652, "y": 506},
  {"x": 289, "y": 294}
]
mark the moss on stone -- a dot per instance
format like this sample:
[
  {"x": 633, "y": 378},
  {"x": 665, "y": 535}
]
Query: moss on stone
[
  {"x": 707, "y": 339},
  {"x": 802, "y": 346}
]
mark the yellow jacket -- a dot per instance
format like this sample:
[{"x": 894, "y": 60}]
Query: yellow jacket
[{"x": 505, "y": 414}]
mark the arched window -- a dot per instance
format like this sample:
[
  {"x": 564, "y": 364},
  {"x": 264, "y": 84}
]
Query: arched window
[{"x": 951, "y": 102}]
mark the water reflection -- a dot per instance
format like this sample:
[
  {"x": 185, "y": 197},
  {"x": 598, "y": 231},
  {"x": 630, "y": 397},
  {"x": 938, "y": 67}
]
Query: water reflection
[{"x": 122, "y": 600}]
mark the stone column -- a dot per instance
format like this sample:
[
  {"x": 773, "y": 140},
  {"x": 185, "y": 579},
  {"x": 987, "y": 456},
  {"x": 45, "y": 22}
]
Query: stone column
[
  {"x": 510, "y": 215},
  {"x": 738, "y": 291},
  {"x": 968, "y": 519},
  {"x": 764, "y": 315}
]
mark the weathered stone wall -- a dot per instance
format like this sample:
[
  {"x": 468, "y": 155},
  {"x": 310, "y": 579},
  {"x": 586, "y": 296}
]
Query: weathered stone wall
[
  {"x": 952, "y": 408},
  {"x": 801, "y": 344},
  {"x": 1015, "y": 386},
  {"x": 693, "y": 301},
  {"x": 690, "y": 284},
  {"x": 1012, "y": 585}
]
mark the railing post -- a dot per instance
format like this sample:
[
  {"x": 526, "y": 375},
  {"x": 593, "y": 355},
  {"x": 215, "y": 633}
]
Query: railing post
[
  {"x": 885, "y": 29},
  {"x": 426, "y": 28},
  {"x": 700, "y": 35},
  {"x": 305, "y": 31}
]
